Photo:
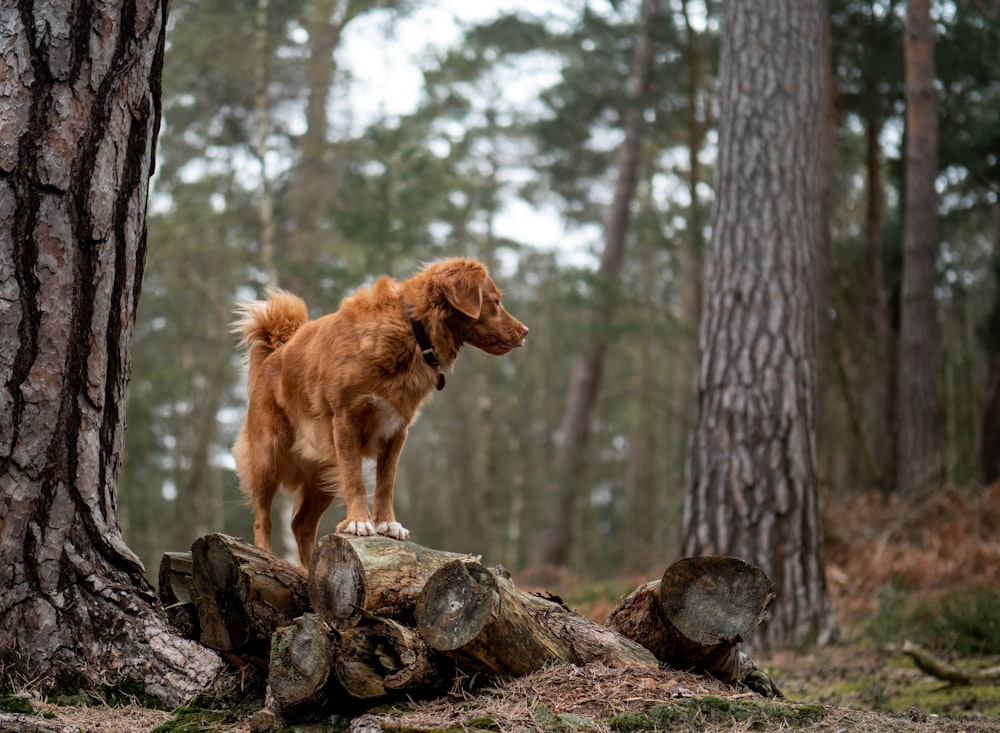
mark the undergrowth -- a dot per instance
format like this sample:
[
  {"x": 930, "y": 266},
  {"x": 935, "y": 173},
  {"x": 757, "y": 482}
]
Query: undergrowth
[{"x": 965, "y": 622}]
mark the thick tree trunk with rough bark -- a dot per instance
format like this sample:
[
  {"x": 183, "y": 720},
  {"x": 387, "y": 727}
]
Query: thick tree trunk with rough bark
[
  {"x": 752, "y": 485},
  {"x": 81, "y": 89},
  {"x": 919, "y": 465}
]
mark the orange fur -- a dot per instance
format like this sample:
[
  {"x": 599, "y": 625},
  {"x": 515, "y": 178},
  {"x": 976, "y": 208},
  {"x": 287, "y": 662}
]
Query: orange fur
[{"x": 325, "y": 394}]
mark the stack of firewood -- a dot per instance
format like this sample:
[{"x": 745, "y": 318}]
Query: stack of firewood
[{"x": 375, "y": 618}]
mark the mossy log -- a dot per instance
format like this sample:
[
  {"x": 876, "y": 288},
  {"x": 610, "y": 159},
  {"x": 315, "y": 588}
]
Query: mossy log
[
  {"x": 696, "y": 615},
  {"x": 352, "y": 575},
  {"x": 244, "y": 594},
  {"x": 300, "y": 671},
  {"x": 380, "y": 657},
  {"x": 483, "y": 621}
]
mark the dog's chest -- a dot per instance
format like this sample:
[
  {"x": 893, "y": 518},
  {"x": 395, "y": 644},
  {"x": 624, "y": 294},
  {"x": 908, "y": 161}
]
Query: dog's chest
[{"x": 382, "y": 419}]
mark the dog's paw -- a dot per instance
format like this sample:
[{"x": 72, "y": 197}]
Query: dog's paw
[
  {"x": 393, "y": 529},
  {"x": 361, "y": 529}
]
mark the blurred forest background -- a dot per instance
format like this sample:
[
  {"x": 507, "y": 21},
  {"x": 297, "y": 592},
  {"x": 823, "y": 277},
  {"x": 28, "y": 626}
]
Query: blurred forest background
[{"x": 277, "y": 165}]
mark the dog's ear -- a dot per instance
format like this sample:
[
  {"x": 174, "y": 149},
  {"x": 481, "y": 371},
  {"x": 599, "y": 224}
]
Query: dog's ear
[{"x": 462, "y": 286}]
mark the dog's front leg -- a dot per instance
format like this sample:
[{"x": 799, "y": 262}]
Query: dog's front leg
[
  {"x": 347, "y": 443},
  {"x": 385, "y": 481}
]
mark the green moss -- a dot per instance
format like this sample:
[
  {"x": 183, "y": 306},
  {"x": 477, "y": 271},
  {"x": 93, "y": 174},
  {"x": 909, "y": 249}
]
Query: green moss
[
  {"x": 719, "y": 711},
  {"x": 129, "y": 692},
  {"x": 929, "y": 695},
  {"x": 629, "y": 721},
  {"x": 484, "y": 722},
  {"x": 191, "y": 719},
  {"x": 559, "y": 722},
  {"x": 15, "y": 704}
]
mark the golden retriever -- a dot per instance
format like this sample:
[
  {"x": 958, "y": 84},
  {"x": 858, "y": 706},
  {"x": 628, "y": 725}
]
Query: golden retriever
[{"x": 327, "y": 393}]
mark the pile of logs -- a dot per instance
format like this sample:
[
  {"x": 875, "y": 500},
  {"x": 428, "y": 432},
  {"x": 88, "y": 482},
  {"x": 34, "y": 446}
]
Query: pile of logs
[{"x": 375, "y": 618}]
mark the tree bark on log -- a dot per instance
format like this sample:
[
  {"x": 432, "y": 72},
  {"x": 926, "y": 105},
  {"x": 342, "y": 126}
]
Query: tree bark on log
[
  {"x": 177, "y": 594},
  {"x": 243, "y": 594},
  {"x": 695, "y": 617},
  {"x": 381, "y": 656},
  {"x": 350, "y": 575},
  {"x": 480, "y": 619},
  {"x": 299, "y": 672}
]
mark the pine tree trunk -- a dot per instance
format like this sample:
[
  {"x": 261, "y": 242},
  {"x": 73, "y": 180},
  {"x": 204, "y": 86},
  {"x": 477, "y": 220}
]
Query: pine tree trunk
[
  {"x": 78, "y": 127},
  {"x": 311, "y": 182},
  {"x": 989, "y": 441},
  {"x": 554, "y": 544},
  {"x": 919, "y": 464},
  {"x": 752, "y": 485}
]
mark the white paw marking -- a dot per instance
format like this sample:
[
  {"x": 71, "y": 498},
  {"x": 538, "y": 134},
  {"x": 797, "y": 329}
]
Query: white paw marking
[
  {"x": 393, "y": 529},
  {"x": 361, "y": 529}
]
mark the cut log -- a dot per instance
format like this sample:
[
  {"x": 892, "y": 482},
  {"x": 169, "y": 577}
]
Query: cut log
[
  {"x": 300, "y": 672},
  {"x": 350, "y": 575},
  {"x": 695, "y": 617},
  {"x": 480, "y": 619},
  {"x": 176, "y": 593},
  {"x": 380, "y": 657},
  {"x": 243, "y": 594}
]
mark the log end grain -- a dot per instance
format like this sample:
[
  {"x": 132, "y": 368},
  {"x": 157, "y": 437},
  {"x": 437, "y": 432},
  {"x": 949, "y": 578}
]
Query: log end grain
[
  {"x": 715, "y": 600},
  {"x": 337, "y": 581},
  {"x": 301, "y": 662},
  {"x": 456, "y": 603}
]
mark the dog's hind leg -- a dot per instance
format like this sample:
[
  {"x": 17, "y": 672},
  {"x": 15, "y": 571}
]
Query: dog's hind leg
[
  {"x": 313, "y": 501},
  {"x": 259, "y": 483}
]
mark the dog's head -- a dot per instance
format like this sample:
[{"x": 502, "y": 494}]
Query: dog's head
[{"x": 481, "y": 318}]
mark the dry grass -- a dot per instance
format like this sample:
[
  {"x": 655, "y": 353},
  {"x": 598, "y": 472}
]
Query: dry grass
[
  {"x": 86, "y": 719},
  {"x": 950, "y": 539},
  {"x": 593, "y": 692},
  {"x": 597, "y": 699}
]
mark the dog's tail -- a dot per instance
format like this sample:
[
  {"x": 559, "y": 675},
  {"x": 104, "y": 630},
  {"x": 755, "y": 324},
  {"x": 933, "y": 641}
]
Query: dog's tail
[{"x": 264, "y": 325}]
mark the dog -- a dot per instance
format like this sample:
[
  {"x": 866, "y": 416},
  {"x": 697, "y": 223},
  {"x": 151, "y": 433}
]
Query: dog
[{"x": 325, "y": 394}]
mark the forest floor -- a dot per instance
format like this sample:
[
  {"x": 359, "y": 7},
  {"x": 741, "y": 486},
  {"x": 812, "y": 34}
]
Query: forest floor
[{"x": 929, "y": 573}]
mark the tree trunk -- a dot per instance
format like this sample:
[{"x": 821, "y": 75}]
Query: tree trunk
[
  {"x": 480, "y": 619},
  {"x": 989, "y": 441},
  {"x": 77, "y": 134},
  {"x": 752, "y": 485},
  {"x": 351, "y": 576},
  {"x": 880, "y": 358},
  {"x": 243, "y": 594},
  {"x": 311, "y": 182},
  {"x": 919, "y": 463},
  {"x": 554, "y": 544},
  {"x": 696, "y": 616}
]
